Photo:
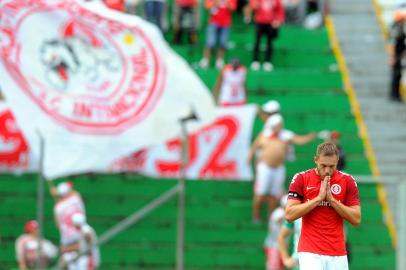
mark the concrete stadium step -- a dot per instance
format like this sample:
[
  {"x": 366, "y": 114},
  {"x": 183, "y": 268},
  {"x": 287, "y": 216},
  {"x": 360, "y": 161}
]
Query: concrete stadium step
[
  {"x": 356, "y": 7},
  {"x": 366, "y": 55}
]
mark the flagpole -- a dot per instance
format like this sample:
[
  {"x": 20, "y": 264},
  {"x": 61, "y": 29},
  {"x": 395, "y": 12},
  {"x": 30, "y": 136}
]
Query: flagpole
[
  {"x": 40, "y": 198},
  {"x": 180, "y": 242}
]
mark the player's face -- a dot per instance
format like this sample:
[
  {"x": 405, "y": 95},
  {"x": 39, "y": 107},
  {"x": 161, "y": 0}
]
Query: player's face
[{"x": 326, "y": 165}]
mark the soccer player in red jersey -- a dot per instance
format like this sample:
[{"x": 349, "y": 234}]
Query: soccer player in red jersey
[{"x": 324, "y": 197}]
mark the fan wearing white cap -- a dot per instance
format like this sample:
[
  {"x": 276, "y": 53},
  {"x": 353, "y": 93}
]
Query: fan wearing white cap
[
  {"x": 272, "y": 148},
  {"x": 268, "y": 109},
  {"x": 87, "y": 255}
]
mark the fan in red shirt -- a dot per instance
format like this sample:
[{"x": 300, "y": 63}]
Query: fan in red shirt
[
  {"x": 324, "y": 197},
  {"x": 269, "y": 16},
  {"x": 218, "y": 30}
]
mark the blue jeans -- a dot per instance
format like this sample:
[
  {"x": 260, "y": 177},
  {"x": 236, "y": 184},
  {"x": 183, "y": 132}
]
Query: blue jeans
[
  {"x": 217, "y": 34},
  {"x": 153, "y": 12}
]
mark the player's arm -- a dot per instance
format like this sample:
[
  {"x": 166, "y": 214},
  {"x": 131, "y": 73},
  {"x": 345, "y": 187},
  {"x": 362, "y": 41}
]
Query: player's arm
[
  {"x": 350, "y": 213},
  {"x": 296, "y": 209},
  {"x": 283, "y": 247}
]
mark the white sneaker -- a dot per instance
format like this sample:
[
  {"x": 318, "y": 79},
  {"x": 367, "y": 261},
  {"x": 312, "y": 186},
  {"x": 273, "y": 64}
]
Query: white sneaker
[
  {"x": 204, "y": 63},
  {"x": 255, "y": 66},
  {"x": 267, "y": 66},
  {"x": 219, "y": 63}
]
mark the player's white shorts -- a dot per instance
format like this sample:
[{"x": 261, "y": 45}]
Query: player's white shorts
[
  {"x": 311, "y": 261},
  {"x": 269, "y": 180}
]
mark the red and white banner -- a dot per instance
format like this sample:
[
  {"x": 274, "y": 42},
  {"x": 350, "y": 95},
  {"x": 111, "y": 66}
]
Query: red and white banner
[
  {"x": 218, "y": 151},
  {"x": 15, "y": 154},
  {"x": 95, "y": 83}
]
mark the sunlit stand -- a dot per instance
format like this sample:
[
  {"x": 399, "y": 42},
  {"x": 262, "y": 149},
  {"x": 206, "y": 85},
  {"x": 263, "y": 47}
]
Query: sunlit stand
[
  {"x": 141, "y": 213},
  {"x": 178, "y": 189}
]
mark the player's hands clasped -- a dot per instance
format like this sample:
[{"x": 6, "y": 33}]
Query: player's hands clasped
[
  {"x": 323, "y": 188},
  {"x": 329, "y": 195}
]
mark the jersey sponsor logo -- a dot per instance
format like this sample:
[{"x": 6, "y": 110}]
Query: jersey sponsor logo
[
  {"x": 336, "y": 189},
  {"x": 324, "y": 203},
  {"x": 88, "y": 73}
]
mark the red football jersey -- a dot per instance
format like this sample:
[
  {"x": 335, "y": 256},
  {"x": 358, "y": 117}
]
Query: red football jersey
[{"x": 323, "y": 228}]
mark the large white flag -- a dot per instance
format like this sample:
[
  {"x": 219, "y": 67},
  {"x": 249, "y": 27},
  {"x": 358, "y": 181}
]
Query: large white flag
[{"x": 97, "y": 84}]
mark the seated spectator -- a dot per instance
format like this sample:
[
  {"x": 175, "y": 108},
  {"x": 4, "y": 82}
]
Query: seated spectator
[
  {"x": 27, "y": 249},
  {"x": 294, "y": 11},
  {"x": 314, "y": 17},
  {"x": 230, "y": 89},
  {"x": 185, "y": 20},
  {"x": 218, "y": 30}
]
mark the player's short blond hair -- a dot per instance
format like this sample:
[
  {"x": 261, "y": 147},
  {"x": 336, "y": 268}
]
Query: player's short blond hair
[{"x": 327, "y": 149}]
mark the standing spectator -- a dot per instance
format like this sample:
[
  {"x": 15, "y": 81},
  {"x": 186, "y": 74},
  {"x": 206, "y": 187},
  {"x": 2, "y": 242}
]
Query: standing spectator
[
  {"x": 185, "y": 20},
  {"x": 218, "y": 30},
  {"x": 27, "y": 249},
  {"x": 397, "y": 50},
  {"x": 290, "y": 261},
  {"x": 272, "y": 144},
  {"x": 230, "y": 89},
  {"x": 269, "y": 16},
  {"x": 67, "y": 203},
  {"x": 324, "y": 197},
  {"x": 154, "y": 10},
  {"x": 87, "y": 255},
  {"x": 273, "y": 256}
]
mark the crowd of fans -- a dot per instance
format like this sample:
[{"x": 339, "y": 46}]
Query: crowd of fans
[
  {"x": 267, "y": 16},
  {"x": 78, "y": 247},
  {"x": 78, "y": 244}
]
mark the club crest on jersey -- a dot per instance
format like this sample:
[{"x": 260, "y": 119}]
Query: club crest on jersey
[
  {"x": 336, "y": 189},
  {"x": 89, "y": 73}
]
